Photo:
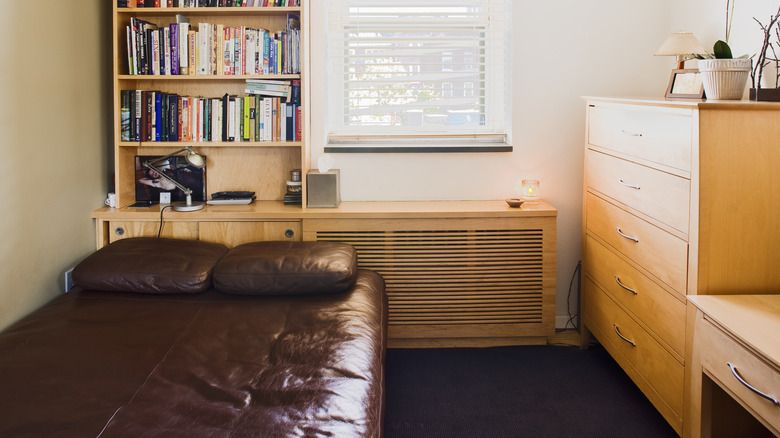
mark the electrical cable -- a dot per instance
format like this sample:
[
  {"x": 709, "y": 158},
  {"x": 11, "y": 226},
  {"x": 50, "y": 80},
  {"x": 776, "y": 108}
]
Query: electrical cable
[
  {"x": 568, "y": 300},
  {"x": 159, "y": 231}
]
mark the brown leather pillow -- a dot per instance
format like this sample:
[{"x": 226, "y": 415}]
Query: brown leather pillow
[
  {"x": 287, "y": 268},
  {"x": 150, "y": 265}
]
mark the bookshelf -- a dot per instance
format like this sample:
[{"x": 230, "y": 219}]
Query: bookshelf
[{"x": 260, "y": 166}]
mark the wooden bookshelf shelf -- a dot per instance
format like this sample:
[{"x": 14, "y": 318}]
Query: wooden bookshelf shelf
[
  {"x": 211, "y": 144},
  {"x": 205, "y": 77},
  {"x": 161, "y": 12}
]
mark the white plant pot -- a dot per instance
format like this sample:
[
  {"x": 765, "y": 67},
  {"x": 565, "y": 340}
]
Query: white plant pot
[{"x": 724, "y": 79}]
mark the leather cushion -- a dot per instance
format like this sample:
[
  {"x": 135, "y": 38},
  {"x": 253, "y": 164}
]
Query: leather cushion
[
  {"x": 150, "y": 265},
  {"x": 287, "y": 268}
]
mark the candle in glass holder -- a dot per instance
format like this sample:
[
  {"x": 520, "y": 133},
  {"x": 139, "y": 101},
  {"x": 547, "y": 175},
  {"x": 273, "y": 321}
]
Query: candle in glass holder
[{"x": 530, "y": 190}]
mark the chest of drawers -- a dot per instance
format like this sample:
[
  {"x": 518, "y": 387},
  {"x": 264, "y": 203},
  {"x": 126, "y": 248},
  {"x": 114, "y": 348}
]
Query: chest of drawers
[{"x": 679, "y": 198}]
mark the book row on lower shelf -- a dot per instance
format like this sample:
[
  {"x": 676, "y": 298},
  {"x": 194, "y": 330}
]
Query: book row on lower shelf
[
  {"x": 182, "y": 48},
  {"x": 154, "y": 116},
  {"x": 205, "y": 3}
]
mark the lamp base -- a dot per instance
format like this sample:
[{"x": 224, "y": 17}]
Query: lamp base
[{"x": 182, "y": 206}]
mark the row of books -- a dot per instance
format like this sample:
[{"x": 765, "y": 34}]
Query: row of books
[
  {"x": 205, "y": 3},
  {"x": 211, "y": 49},
  {"x": 148, "y": 115}
]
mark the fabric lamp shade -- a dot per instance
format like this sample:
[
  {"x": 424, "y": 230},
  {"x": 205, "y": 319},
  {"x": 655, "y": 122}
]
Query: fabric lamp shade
[{"x": 681, "y": 43}]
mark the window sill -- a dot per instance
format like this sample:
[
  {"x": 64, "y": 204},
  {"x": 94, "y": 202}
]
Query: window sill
[{"x": 396, "y": 149}]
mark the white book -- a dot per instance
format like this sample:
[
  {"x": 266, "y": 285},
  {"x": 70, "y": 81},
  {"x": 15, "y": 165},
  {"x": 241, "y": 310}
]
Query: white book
[
  {"x": 220, "y": 56},
  {"x": 203, "y": 52},
  {"x": 166, "y": 48},
  {"x": 283, "y": 122},
  {"x": 237, "y": 119},
  {"x": 184, "y": 56},
  {"x": 231, "y": 118},
  {"x": 249, "y": 58},
  {"x": 216, "y": 120},
  {"x": 267, "y": 132}
]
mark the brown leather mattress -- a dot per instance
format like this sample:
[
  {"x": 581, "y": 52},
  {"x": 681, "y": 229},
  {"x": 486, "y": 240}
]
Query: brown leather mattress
[{"x": 205, "y": 365}]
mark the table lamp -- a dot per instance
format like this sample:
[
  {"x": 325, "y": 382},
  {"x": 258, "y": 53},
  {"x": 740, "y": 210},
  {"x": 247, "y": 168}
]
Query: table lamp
[
  {"x": 683, "y": 45},
  {"x": 194, "y": 160}
]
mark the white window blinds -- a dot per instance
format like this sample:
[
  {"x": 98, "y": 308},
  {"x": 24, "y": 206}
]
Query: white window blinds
[{"x": 403, "y": 71}]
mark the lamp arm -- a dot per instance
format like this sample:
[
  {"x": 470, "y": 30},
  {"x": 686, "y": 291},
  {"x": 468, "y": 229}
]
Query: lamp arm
[{"x": 149, "y": 165}]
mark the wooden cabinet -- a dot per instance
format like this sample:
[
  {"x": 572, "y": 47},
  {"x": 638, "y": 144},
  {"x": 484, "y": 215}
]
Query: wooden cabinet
[
  {"x": 735, "y": 366},
  {"x": 458, "y": 273},
  {"x": 681, "y": 198},
  {"x": 229, "y": 233},
  {"x": 259, "y": 166}
]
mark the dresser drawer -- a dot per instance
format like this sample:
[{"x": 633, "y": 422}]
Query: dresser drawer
[
  {"x": 660, "y": 195},
  {"x": 718, "y": 350},
  {"x": 660, "y": 253},
  {"x": 659, "y": 310},
  {"x": 660, "y": 135},
  {"x": 623, "y": 337}
]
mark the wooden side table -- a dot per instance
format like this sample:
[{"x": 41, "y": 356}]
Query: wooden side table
[{"x": 734, "y": 372}]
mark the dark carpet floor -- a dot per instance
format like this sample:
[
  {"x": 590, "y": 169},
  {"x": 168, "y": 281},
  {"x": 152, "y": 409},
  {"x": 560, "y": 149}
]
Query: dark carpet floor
[{"x": 529, "y": 391}]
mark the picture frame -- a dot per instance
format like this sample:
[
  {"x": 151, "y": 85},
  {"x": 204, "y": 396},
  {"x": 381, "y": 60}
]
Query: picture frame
[
  {"x": 148, "y": 186},
  {"x": 685, "y": 84}
]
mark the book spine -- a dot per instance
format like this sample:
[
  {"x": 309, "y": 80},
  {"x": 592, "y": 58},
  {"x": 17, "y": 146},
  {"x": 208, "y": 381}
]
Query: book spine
[
  {"x": 165, "y": 50},
  {"x": 184, "y": 56},
  {"x": 157, "y": 124},
  {"x": 173, "y": 118},
  {"x": 290, "y": 124},
  {"x": 174, "y": 53},
  {"x": 266, "y": 53},
  {"x": 247, "y": 119},
  {"x": 124, "y": 115},
  {"x": 282, "y": 121},
  {"x": 298, "y": 120},
  {"x": 272, "y": 54},
  {"x": 220, "y": 45},
  {"x": 184, "y": 107},
  {"x": 192, "y": 37}
]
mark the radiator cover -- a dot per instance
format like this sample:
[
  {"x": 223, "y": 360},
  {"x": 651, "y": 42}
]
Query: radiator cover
[{"x": 476, "y": 280}]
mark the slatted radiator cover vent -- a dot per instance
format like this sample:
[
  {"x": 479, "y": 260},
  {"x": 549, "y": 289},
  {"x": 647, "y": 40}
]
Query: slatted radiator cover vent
[{"x": 454, "y": 277}]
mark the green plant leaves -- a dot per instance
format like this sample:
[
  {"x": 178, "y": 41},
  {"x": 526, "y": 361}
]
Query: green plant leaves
[{"x": 722, "y": 50}]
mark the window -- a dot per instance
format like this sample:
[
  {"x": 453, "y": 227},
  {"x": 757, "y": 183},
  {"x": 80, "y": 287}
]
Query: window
[{"x": 404, "y": 74}]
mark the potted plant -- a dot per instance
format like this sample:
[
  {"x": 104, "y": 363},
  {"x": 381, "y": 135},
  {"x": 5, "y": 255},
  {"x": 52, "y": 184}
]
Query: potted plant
[
  {"x": 763, "y": 60},
  {"x": 724, "y": 77}
]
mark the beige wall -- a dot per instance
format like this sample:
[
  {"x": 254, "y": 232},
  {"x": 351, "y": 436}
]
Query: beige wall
[
  {"x": 54, "y": 132},
  {"x": 562, "y": 50}
]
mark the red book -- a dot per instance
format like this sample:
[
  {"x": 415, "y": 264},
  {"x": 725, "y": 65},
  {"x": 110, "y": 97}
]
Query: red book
[{"x": 298, "y": 117}]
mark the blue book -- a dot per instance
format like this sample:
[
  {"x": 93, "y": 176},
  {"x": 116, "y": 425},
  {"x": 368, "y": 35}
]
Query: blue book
[{"x": 158, "y": 116}]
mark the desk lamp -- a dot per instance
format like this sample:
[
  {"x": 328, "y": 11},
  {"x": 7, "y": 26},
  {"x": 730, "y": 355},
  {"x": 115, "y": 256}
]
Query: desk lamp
[
  {"x": 194, "y": 160},
  {"x": 683, "y": 45}
]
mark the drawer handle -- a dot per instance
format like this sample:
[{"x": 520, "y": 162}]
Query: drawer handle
[
  {"x": 627, "y": 237},
  {"x": 736, "y": 374},
  {"x": 631, "y": 133},
  {"x": 617, "y": 330},
  {"x": 633, "y": 291},
  {"x": 630, "y": 186}
]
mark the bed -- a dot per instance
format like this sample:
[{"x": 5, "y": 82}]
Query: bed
[{"x": 172, "y": 338}]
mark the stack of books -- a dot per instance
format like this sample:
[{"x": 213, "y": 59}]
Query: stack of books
[{"x": 293, "y": 198}]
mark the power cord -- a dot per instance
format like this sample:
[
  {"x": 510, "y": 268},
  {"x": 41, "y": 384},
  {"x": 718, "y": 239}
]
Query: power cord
[
  {"x": 159, "y": 231},
  {"x": 568, "y": 301}
]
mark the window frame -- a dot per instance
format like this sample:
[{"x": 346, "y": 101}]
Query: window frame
[{"x": 497, "y": 80}]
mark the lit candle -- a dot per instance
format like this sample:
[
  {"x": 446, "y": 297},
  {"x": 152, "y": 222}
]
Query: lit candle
[{"x": 530, "y": 190}]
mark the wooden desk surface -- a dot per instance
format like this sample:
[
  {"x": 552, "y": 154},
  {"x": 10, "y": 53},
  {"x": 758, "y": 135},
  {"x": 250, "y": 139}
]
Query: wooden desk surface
[{"x": 752, "y": 319}]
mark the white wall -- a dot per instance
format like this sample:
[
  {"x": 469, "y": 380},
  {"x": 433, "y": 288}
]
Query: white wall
[
  {"x": 562, "y": 50},
  {"x": 707, "y": 20},
  {"x": 53, "y": 143}
]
